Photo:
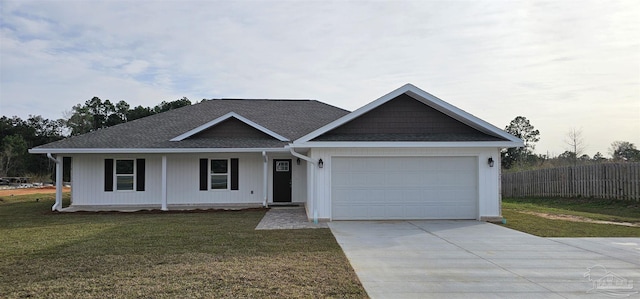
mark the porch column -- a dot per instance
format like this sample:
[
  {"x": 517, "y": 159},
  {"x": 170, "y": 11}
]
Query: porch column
[
  {"x": 164, "y": 183},
  {"x": 265, "y": 171},
  {"x": 58, "y": 205}
]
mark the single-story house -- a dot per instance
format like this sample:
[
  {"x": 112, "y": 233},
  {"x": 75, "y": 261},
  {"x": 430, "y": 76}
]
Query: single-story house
[{"x": 406, "y": 155}]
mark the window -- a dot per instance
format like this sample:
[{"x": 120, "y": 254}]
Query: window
[
  {"x": 282, "y": 166},
  {"x": 125, "y": 175},
  {"x": 219, "y": 174}
]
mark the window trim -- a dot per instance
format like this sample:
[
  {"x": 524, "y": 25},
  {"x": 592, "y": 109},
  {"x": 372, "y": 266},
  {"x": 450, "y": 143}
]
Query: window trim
[
  {"x": 116, "y": 175},
  {"x": 211, "y": 174}
]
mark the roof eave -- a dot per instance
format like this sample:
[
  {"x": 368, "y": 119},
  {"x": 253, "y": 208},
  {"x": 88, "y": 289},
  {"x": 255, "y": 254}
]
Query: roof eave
[
  {"x": 407, "y": 144},
  {"x": 152, "y": 150}
]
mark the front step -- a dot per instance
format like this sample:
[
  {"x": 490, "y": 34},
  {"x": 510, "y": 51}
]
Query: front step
[{"x": 285, "y": 204}]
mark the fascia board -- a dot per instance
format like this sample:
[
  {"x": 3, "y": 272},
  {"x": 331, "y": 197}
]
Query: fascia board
[
  {"x": 459, "y": 144},
  {"x": 151, "y": 150},
  {"x": 223, "y": 118}
]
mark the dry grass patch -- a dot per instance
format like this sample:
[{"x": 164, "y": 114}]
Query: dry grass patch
[
  {"x": 573, "y": 217},
  {"x": 50, "y": 255}
]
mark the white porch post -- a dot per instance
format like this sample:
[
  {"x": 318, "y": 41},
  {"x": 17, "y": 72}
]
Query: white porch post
[
  {"x": 58, "y": 205},
  {"x": 314, "y": 198},
  {"x": 164, "y": 183},
  {"x": 265, "y": 171}
]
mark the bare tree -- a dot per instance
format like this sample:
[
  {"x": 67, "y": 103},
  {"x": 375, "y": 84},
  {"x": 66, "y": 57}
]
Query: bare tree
[{"x": 576, "y": 144}]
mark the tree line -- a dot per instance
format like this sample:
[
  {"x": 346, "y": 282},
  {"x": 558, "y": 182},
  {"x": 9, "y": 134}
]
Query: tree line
[
  {"x": 95, "y": 114},
  {"x": 18, "y": 135},
  {"x": 524, "y": 158}
]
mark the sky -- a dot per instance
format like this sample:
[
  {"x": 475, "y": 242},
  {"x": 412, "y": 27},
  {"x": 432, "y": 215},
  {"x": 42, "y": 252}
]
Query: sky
[{"x": 563, "y": 65}]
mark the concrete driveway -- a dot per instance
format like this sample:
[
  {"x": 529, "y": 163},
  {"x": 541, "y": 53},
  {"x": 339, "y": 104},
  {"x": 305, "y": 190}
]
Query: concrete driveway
[{"x": 471, "y": 259}]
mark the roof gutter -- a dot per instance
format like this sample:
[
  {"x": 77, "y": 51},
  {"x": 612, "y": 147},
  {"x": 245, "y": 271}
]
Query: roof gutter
[
  {"x": 410, "y": 144},
  {"x": 151, "y": 150},
  {"x": 314, "y": 205}
]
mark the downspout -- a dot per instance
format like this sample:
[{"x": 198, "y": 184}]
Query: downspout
[
  {"x": 265, "y": 167},
  {"x": 313, "y": 179},
  {"x": 57, "y": 206}
]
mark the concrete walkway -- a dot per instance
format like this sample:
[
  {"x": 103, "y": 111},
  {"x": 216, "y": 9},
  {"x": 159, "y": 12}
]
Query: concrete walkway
[
  {"x": 287, "y": 218},
  {"x": 470, "y": 259}
]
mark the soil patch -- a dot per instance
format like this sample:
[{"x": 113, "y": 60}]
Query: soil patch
[
  {"x": 574, "y": 218},
  {"x": 27, "y": 191},
  {"x": 157, "y": 211}
]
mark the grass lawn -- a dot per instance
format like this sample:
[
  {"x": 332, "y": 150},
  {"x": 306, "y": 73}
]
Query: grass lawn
[
  {"x": 525, "y": 214},
  {"x": 163, "y": 255}
]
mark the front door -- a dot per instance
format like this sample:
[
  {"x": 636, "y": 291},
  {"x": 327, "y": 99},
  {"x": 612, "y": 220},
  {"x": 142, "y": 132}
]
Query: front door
[{"x": 282, "y": 180}]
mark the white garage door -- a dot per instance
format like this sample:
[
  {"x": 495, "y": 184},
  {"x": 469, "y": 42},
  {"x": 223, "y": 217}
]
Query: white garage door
[{"x": 404, "y": 188}]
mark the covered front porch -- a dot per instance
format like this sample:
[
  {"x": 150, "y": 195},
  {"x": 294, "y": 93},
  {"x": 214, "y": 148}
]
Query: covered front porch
[{"x": 184, "y": 181}]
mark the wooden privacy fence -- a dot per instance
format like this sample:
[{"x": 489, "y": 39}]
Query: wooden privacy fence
[{"x": 606, "y": 180}]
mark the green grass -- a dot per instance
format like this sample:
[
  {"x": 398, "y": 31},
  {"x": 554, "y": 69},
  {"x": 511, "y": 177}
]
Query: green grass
[
  {"x": 163, "y": 255},
  {"x": 514, "y": 210}
]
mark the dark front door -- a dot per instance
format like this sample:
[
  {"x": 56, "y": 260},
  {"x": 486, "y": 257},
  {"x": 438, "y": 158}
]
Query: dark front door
[{"x": 282, "y": 180}]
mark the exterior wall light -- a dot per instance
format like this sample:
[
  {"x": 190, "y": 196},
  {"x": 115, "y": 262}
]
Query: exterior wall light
[
  {"x": 298, "y": 161},
  {"x": 320, "y": 163},
  {"x": 490, "y": 161}
]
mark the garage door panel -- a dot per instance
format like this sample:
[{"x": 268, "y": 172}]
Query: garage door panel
[
  {"x": 392, "y": 196},
  {"x": 404, "y": 188},
  {"x": 379, "y": 211},
  {"x": 358, "y": 195},
  {"x": 353, "y": 179}
]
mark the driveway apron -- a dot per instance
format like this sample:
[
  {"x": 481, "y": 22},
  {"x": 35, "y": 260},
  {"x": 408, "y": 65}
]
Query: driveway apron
[{"x": 471, "y": 259}]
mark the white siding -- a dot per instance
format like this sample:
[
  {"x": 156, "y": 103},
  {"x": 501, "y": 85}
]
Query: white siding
[
  {"x": 299, "y": 188},
  {"x": 183, "y": 173},
  {"x": 87, "y": 180},
  {"x": 183, "y": 177},
  {"x": 488, "y": 177}
]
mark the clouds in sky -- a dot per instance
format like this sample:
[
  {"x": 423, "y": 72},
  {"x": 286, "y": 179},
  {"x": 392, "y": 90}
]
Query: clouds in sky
[{"x": 561, "y": 64}]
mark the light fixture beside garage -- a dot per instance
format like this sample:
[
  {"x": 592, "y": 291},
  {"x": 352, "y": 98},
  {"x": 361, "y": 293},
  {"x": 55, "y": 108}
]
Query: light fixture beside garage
[
  {"x": 320, "y": 163},
  {"x": 490, "y": 161}
]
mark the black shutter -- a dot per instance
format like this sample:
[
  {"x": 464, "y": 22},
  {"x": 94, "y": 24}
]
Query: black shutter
[
  {"x": 108, "y": 174},
  {"x": 66, "y": 169},
  {"x": 234, "y": 174},
  {"x": 203, "y": 174},
  {"x": 140, "y": 176}
]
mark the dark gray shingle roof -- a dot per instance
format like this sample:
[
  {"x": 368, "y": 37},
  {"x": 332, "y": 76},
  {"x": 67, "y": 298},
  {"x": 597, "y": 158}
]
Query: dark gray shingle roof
[{"x": 289, "y": 118}]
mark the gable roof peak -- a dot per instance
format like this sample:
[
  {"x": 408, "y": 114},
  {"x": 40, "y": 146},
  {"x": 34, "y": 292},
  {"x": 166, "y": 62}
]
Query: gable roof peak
[
  {"x": 425, "y": 98},
  {"x": 226, "y": 117}
]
